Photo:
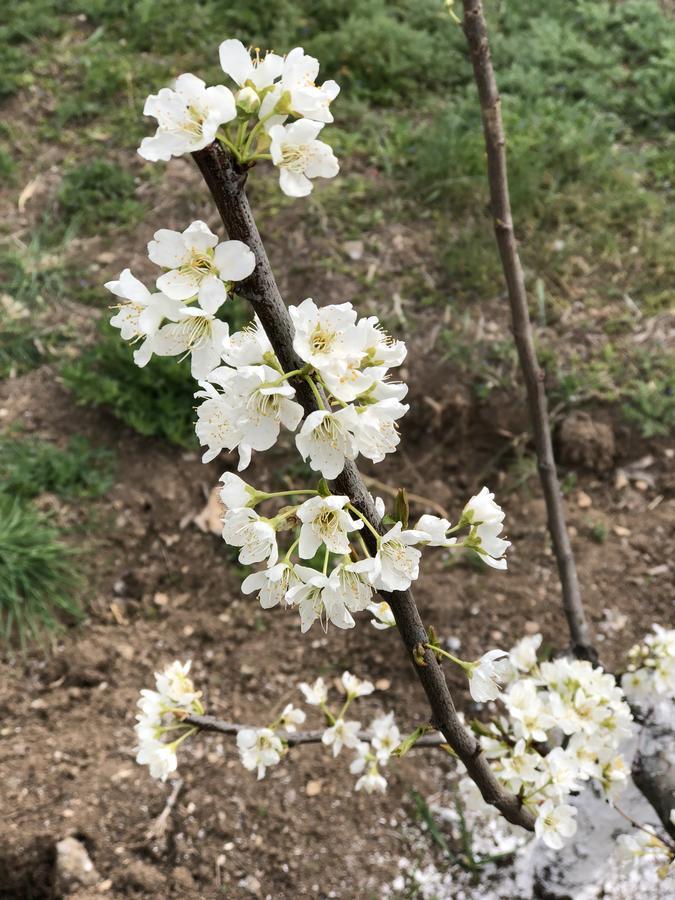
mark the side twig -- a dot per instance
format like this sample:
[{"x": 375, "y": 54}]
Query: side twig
[
  {"x": 475, "y": 30},
  {"x": 293, "y": 738},
  {"x": 226, "y": 181}
]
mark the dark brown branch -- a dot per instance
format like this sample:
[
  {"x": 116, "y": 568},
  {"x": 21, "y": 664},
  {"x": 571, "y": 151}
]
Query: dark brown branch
[
  {"x": 475, "y": 30},
  {"x": 292, "y": 738},
  {"x": 226, "y": 181}
]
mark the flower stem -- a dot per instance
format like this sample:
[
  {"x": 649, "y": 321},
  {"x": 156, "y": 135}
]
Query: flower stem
[
  {"x": 315, "y": 391},
  {"x": 460, "y": 662},
  {"x": 284, "y": 377},
  {"x": 267, "y": 496},
  {"x": 291, "y": 549},
  {"x": 366, "y": 522}
]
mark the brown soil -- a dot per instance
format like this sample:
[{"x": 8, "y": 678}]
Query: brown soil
[{"x": 159, "y": 589}]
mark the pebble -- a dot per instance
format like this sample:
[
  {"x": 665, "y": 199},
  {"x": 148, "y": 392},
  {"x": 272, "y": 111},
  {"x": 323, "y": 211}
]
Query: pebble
[{"x": 73, "y": 865}]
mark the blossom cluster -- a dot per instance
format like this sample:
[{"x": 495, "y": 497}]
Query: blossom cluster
[
  {"x": 564, "y": 724},
  {"x": 644, "y": 843},
  {"x": 329, "y": 527},
  {"x": 164, "y": 710},
  {"x": 383, "y": 733},
  {"x": 252, "y": 118},
  {"x": 161, "y": 714},
  {"x": 651, "y": 668},
  {"x": 346, "y": 362},
  {"x": 180, "y": 318}
]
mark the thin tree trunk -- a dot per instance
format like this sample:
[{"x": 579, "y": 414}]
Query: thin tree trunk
[
  {"x": 475, "y": 30},
  {"x": 226, "y": 181}
]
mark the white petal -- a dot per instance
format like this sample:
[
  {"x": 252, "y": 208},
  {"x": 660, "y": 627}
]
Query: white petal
[
  {"x": 178, "y": 285},
  {"x": 234, "y": 260},
  {"x": 235, "y": 60},
  {"x": 212, "y": 294},
  {"x": 294, "y": 184},
  {"x": 168, "y": 249},
  {"x": 162, "y": 146}
]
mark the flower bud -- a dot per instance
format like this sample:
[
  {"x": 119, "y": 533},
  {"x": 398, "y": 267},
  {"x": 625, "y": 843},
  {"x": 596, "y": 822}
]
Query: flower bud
[{"x": 248, "y": 100}]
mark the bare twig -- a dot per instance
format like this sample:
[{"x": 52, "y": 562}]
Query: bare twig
[
  {"x": 158, "y": 828},
  {"x": 226, "y": 181},
  {"x": 475, "y": 30},
  {"x": 293, "y": 738}
]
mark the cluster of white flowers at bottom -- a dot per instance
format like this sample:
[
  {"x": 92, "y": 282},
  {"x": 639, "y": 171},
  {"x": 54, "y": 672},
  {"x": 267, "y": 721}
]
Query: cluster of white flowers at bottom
[
  {"x": 651, "y": 668},
  {"x": 565, "y": 722},
  {"x": 161, "y": 714},
  {"x": 644, "y": 843}
]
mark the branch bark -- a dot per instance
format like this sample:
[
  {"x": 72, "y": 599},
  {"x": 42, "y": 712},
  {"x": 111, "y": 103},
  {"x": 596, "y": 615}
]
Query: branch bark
[
  {"x": 475, "y": 30},
  {"x": 226, "y": 182},
  {"x": 293, "y": 738}
]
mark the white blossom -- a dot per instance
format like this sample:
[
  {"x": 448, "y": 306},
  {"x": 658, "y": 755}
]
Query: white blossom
[
  {"x": 300, "y": 157},
  {"x": 481, "y": 508},
  {"x": 372, "y": 782},
  {"x": 291, "y": 717},
  {"x": 555, "y": 823},
  {"x": 174, "y": 696},
  {"x": 380, "y": 348},
  {"x": 532, "y": 716},
  {"x": 248, "y": 347},
  {"x": 341, "y": 734},
  {"x": 524, "y": 655},
  {"x": 384, "y": 617},
  {"x": 326, "y": 442},
  {"x": 271, "y": 584},
  {"x": 490, "y": 546},
  {"x": 259, "y": 748},
  {"x": 396, "y": 564},
  {"x": 258, "y": 72},
  {"x": 315, "y": 694},
  {"x": 247, "y": 413},
  {"x": 188, "y": 117},
  {"x": 325, "y": 521},
  {"x": 373, "y": 427},
  {"x": 297, "y": 92},
  {"x": 160, "y": 758},
  {"x": 319, "y": 596},
  {"x": 385, "y": 737},
  {"x": 194, "y": 331},
  {"x": 486, "y": 675},
  {"x": 256, "y": 536},
  {"x": 356, "y": 687},
  {"x": 198, "y": 266},
  {"x": 141, "y": 315},
  {"x": 306, "y": 99},
  {"x": 325, "y": 336},
  {"x": 174, "y": 684},
  {"x": 236, "y": 493},
  {"x": 436, "y": 530}
]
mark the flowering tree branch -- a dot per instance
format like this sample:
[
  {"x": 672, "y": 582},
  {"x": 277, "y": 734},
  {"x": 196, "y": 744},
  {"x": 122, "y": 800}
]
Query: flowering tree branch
[
  {"x": 292, "y": 738},
  {"x": 475, "y": 29},
  {"x": 226, "y": 181},
  {"x": 324, "y": 372}
]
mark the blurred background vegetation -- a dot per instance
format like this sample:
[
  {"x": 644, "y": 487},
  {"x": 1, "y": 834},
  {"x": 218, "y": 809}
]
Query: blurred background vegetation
[{"x": 589, "y": 103}]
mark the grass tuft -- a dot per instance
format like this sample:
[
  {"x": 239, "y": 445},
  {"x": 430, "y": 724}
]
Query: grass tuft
[
  {"x": 31, "y": 468},
  {"x": 38, "y": 583}
]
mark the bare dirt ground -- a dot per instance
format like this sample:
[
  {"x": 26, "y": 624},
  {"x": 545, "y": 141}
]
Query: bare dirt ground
[{"x": 160, "y": 589}]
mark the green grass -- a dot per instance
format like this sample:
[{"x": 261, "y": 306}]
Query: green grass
[
  {"x": 157, "y": 400},
  {"x": 39, "y": 585},
  {"x": 94, "y": 195},
  {"x": 33, "y": 467}
]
